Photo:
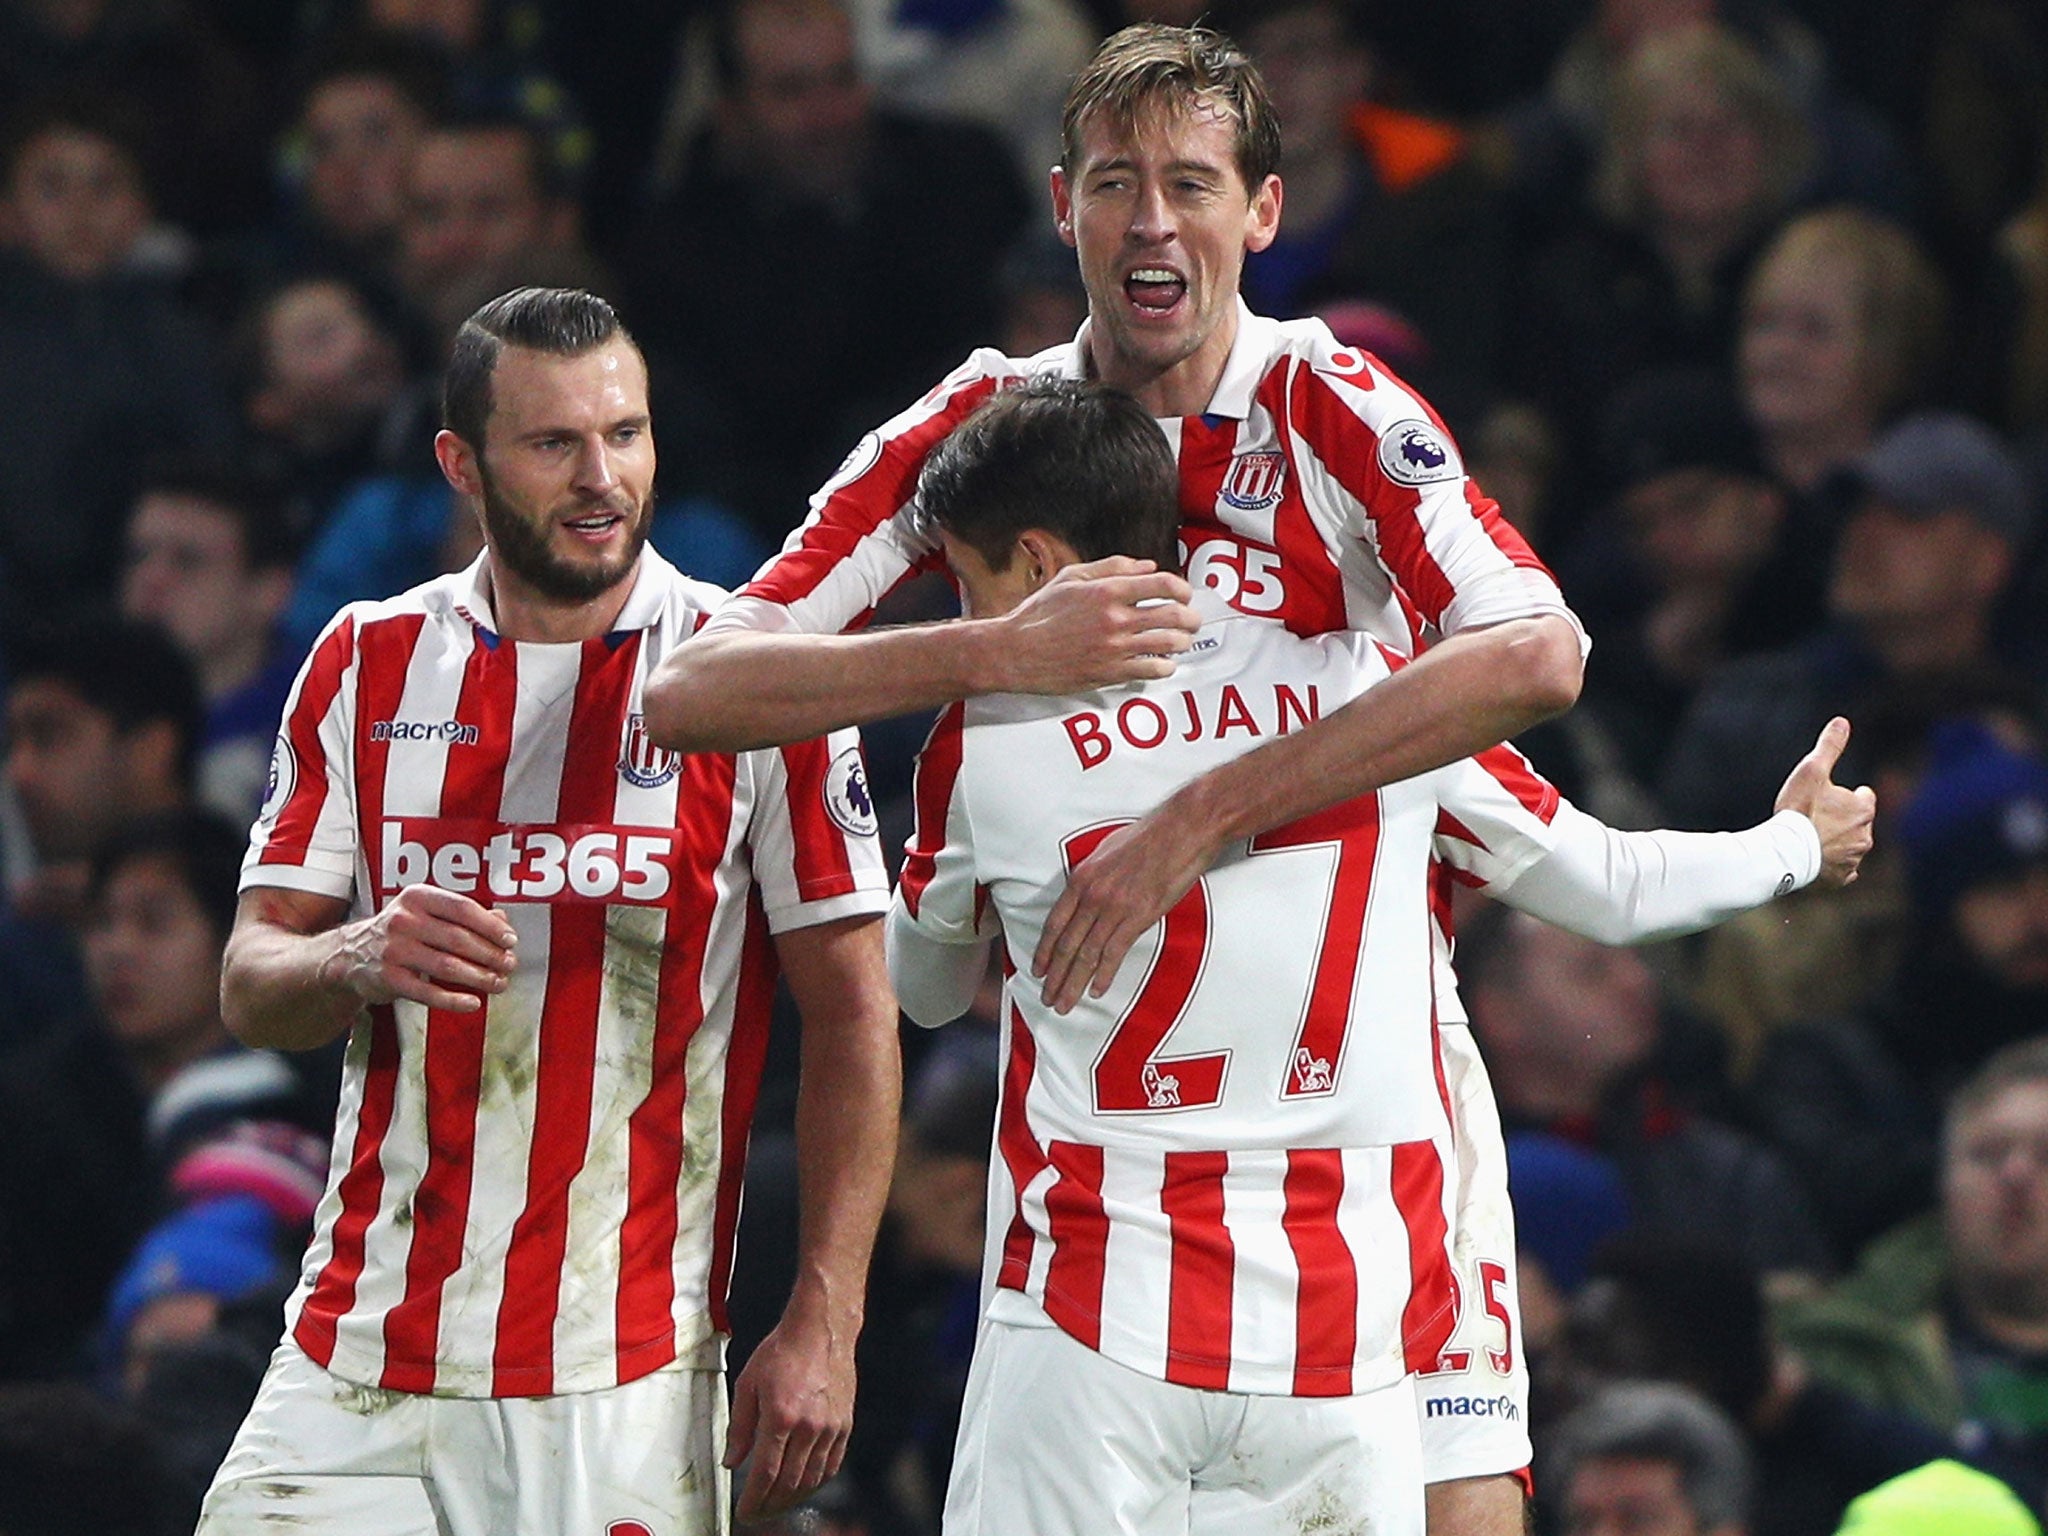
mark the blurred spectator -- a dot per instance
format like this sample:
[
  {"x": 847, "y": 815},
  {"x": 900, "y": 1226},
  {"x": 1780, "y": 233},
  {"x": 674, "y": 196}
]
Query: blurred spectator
[
  {"x": 1701, "y": 158},
  {"x": 210, "y": 112},
  {"x": 210, "y": 554},
  {"x": 1685, "y": 570},
  {"x": 185, "y": 1272},
  {"x": 1573, "y": 1032},
  {"x": 1940, "y": 514},
  {"x": 1675, "y": 1310},
  {"x": 325, "y": 389},
  {"x": 103, "y": 722},
  {"x": 1552, "y": 142},
  {"x": 99, "y": 368},
  {"x": 821, "y": 260},
  {"x": 366, "y": 101},
  {"x": 1943, "y": 1497},
  {"x": 1855, "y": 1102},
  {"x": 924, "y": 1291},
  {"x": 1005, "y": 64},
  {"x": 1831, "y": 954},
  {"x": 103, "y": 1120},
  {"x": 1647, "y": 1459},
  {"x": 1043, "y": 300},
  {"x": 1843, "y": 327},
  {"x": 1946, "y": 1318},
  {"x": 72, "y": 1464},
  {"x": 1382, "y": 205},
  {"x": 486, "y": 210}
]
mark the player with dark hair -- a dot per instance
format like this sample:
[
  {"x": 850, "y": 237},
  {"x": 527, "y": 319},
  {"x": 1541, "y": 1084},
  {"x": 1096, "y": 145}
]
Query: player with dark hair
[
  {"x": 552, "y": 945},
  {"x": 1232, "y": 1173}
]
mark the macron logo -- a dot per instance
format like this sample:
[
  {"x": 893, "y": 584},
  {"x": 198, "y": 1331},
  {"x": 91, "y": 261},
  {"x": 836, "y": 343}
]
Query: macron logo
[
  {"x": 1472, "y": 1408},
  {"x": 424, "y": 730}
]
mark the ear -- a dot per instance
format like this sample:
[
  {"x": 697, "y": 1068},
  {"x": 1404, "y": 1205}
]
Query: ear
[
  {"x": 1262, "y": 219},
  {"x": 1062, "y": 205},
  {"x": 458, "y": 464},
  {"x": 1047, "y": 551}
]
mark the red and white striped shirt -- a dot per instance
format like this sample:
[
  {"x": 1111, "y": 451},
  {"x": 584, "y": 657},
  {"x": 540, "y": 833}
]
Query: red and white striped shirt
[
  {"x": 1225, "y": 1168},
  {"x": 540, "y": 1197},
  {"x": 1317, "y": 489}
]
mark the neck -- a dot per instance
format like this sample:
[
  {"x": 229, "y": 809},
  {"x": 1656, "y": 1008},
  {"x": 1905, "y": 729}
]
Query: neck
[
  {"x": 2012, "y": 1312},
  {"x": 1948, "y": 642},
  {"x": 524, "y": 614},
  {"x": 156, "y": 1062},
  {"x": 1184, "y": 388},
  {"x": 1694, "y": 253},
  {"x": 1542, "y": 1091},
  {"x": 1804, "y": 456},
  {"x": 221, "y": 674}
]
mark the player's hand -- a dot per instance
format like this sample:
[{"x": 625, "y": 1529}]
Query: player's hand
[
  {"x": 1085, "y": 629},
  {"x": 1842, "y": 817},
  {"x": 792, "y": 1411},
  {"x": 426, "y": 946},
  {"x": 1131, "y": 880}
]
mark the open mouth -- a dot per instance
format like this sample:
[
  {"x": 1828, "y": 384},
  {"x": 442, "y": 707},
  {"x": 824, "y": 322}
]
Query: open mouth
[
  {"x": 1155, "y": 290},
  {"x": 594, "y": 525}
]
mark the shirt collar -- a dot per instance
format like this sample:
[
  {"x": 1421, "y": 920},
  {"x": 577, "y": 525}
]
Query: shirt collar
[
  {"x": 1237, "y": 390},
  {"x": 652, "y": 578}
]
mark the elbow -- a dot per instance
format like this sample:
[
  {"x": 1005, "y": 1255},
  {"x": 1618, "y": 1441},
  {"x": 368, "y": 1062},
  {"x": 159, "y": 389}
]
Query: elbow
[{"x": 1551, "y": 667}]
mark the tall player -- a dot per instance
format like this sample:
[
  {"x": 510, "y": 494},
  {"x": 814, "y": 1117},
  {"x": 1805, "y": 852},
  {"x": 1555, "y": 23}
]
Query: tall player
[
  {"x": 1314, "y": 487},
  {"x": 1224, "y": 1174},
  {"x": 552, "y": 946}
]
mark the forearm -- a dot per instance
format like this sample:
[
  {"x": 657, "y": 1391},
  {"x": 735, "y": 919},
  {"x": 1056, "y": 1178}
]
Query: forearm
[
  {"x": 279, "y": 989},
  {"x": 1634, "y": 887},
  {"x": 848, "y": 1102},
  {"x": 736, "y": 690},
  {"x": 1469, "y": 693}
]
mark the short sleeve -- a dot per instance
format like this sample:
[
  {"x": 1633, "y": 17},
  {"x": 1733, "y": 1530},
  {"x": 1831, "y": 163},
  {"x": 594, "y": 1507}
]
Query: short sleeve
[
  {"x": 816, "y": 854},
  {"x": 305, "y": 837}
]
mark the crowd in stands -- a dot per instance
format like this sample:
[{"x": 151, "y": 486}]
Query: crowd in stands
[{"x": 1738, "y": 307}]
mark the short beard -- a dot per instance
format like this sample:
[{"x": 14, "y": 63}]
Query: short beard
[{"x": 525, "y": 551}]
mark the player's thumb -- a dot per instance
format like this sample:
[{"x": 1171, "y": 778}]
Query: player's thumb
[{"x": 1827, "y": 749}]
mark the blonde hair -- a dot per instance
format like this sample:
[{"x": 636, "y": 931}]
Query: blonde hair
[
  {"x": 1151, "y": 66},
  {"x": 1901, "y": 300},
  {"x": 1722, "y": 59}
]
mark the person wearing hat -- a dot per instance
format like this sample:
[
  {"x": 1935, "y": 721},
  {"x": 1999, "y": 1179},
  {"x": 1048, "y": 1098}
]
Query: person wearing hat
[
  {"x": 1946, "y": 1318},
  {"x": 1941, "y": 515},
  {"x": 1854, "y": 1102},
  {"x": 1943, "y": 1498}
]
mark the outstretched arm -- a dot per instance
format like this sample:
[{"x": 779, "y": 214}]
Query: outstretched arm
[
  {"x": 1634, "y": 887},
  {"x": 1471, "y": 691},
  {"x": 793, "y": 1405},
  {"x": 732, "y": 688}
]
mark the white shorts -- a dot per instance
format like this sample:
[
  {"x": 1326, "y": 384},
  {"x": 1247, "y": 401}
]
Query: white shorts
[
  {"x": 1057, "y": 1440},
  {"x": 330, "y": 1456},
  {"x": 1474, "y": 1410}
]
